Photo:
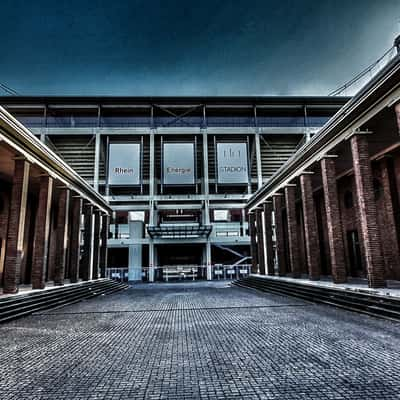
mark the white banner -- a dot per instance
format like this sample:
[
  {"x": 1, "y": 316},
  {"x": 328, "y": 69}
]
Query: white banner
[
  {"x": 124, "y": 164},
  {"x": 232, "y": 163},
  {"x": 178, "y": 164}
]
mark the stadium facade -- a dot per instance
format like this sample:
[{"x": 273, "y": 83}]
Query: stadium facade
[{"x": 177, "y": 172}]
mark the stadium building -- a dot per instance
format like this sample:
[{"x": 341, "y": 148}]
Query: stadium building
[{"x": 177, "y": 172}]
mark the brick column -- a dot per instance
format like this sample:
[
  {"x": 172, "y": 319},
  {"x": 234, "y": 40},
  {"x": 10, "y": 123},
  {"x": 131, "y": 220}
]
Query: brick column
[
  {"x": 96, "y": 245},
  {"x": 290, "y": 193},
  {"x": 103, "y": 249},
  {"x": 277, "y": 203},
  {"x": 310, "y": 227},
  {"x": 253, "y": 244},
  {"x": 42, "y": 229},
  {"x": 268, "y": 237},
  {"x": 367, "y": 209},
  {"x": 62, "y": 236},
  {"x": 397, "y": 111},
  {"x": 260, "y": 241},
  {"x": 75, "y": 249},
  {"x": 5, "y": 198},
  {"x": 87, "y": 259},
  {"x": 333, "y": 220},
  {"x": 16, "y": 226},
  {"x": 387, "y": 221}
]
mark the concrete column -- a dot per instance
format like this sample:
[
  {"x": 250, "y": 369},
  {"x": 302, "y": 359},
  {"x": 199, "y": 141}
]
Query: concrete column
[
  {"x": 208, "y": 260},
  {"x": 152, "y": 156},
  {"x": 152, "y": 216},
  {"x": 16, "y": 226},
  {"x": 243, "y": 226},
  {"x": 96, "y": 160},
  {"x": 268, "y": 238},
  {"x": 310, "y": 227},
  {"x": 151, "y": 260},
  {"x": 43, "y": 135},
  {"x": 75, "y": 249},
  {"x": 206, "y": 212},
  {"x": 103, "y": 249},
  {"x": 135, "y": 252},
  {"x": 152, "y": 252},
  {"x": 96, "y": 244},
  {"x": 116, "y": 226},
  {"x": 290, "y": 193},
  {"x": 86, "y": 263},
  {"x": 260, "y": 241},
  {"x": 253, "y": 243},
  {"x": 62, "y": 236},
  {"x": 333, "y": 220},
  {"x": 205, "y": 163},
  {"x": 277, "y": 203},
  {"x": 258, "y": 160},
  {"x": 41, "y": 235},
  {"x": 367, "y": 209}
]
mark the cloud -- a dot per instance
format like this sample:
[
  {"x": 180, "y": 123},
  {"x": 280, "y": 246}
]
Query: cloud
[{"x": 184, "y": 48}]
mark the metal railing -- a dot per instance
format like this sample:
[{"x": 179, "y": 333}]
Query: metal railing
[
  {"x": 117, "y": 274},
  {"x": 362, "y": 78},
  {"x": 230, "y": 272},
  {"x": 184, "y": 272}
]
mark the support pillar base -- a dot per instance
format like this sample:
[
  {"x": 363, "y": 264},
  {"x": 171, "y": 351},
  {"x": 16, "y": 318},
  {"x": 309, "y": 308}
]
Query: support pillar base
[
  {"x": 209, "y": 273},
  {"x": 151, "y": 274}
]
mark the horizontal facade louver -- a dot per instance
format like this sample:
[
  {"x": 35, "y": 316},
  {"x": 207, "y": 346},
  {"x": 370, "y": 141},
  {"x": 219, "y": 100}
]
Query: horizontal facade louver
[
  {"x": 79, "y": 153},
  {"x": 275, "y": 151}
]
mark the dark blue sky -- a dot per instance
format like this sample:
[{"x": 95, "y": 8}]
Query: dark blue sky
[{"x": 211, "y": 47}]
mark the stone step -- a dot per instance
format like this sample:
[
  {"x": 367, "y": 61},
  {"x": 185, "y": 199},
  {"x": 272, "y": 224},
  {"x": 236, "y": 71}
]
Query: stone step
[
  {"x": 47, "y": 293},
  {"x": 25, "y": 304},
  {"x": 375, "y": 305}
]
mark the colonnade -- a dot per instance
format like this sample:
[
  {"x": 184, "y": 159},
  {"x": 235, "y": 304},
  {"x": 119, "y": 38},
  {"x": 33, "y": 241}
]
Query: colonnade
[
  {"x": 69, "y": 234},
  {"x": 276, "y": 243}
]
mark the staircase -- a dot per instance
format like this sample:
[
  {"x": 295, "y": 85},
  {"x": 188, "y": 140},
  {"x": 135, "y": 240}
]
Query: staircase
[
  {"x": 366, "y": 303},
  {"x": 13, "y": 307}
]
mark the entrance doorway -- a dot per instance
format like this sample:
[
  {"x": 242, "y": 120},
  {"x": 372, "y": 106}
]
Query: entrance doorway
[
  {"x": 179, "y": 262},
  {"x": 353, "y": 245},
  {"x": 182, "y": 254}
]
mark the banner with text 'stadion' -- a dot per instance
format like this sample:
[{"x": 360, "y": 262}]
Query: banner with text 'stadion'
[
  {"x": 232, "y": 163},
  {"x": 178, "y": 164},
  {"x": 124, "y": 164}
]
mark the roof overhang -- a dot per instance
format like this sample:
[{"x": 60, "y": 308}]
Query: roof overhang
[
  {"x": 26, "y": 144},
  {"x": 380, "y": 92},
  {"x": 179, "y": 231},
  {"x": 177, "y": 101}
]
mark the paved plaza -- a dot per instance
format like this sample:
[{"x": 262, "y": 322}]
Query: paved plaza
[{"x": 199, "y": 341}]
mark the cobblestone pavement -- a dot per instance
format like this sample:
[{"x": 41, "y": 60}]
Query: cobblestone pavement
[{"x": 199, "y": 341}]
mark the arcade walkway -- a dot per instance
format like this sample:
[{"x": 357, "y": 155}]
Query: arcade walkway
[{"x": 199, "y": 340}]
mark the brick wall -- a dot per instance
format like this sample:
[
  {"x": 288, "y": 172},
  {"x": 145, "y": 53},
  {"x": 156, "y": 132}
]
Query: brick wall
[{"x": 350, "y": 222}]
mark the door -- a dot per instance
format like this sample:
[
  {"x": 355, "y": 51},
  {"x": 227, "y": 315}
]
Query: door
[{"x": 353, "y": 244}]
